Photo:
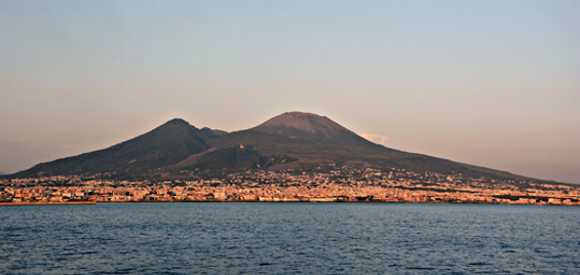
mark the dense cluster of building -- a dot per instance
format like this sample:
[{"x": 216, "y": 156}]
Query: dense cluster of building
[{"x": 335, "y": 185}]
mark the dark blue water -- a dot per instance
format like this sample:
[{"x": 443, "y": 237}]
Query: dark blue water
[{"x": 231, "y": 238}]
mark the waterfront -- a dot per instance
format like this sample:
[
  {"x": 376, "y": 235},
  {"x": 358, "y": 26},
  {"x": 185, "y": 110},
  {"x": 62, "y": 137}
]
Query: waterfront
[
  {"x": 288, "y": 238},
  {"x": 337, "y": 185}
]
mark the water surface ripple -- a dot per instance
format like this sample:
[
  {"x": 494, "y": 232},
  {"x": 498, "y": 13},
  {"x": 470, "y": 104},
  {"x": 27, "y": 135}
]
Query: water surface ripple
[{"x": 254, "y": 238}]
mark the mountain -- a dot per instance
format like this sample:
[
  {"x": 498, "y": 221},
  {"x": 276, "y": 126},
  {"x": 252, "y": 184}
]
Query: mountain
[
  {"x": 314, "y": 140},
  {"x": 297, "y": 124},
  {"x": 163, "y": 146},
  {"x": 291, "y": 140}
]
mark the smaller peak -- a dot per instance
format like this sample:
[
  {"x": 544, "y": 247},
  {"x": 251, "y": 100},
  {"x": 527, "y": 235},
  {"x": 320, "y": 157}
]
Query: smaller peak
[
  {"x": 177, "y": 121},
  {"x": 211, "y": 133}
]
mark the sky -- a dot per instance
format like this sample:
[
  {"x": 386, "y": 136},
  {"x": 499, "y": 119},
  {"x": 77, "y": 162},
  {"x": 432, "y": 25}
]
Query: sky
[{"x": 494, "y": 83}]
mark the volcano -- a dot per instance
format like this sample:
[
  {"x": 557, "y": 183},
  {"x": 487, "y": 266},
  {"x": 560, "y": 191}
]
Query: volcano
[
  {"x": 293, "y": 140},
  {"x": 162, "y": 146}
]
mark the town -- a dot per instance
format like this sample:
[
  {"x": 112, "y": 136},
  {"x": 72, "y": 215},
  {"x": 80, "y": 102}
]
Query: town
[{"x": 338, "y": 184}]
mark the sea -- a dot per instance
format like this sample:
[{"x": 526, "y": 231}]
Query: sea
[{"x": 289, "y": 238}]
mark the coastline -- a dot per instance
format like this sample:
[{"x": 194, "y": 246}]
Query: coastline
[
  {"x": 30, "y": 203},
  {"x": 51, "y": 191},
  {"x": 89, "y": 203}
]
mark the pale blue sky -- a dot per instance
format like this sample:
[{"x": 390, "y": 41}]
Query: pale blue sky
[{"x": 493, "y": 83}]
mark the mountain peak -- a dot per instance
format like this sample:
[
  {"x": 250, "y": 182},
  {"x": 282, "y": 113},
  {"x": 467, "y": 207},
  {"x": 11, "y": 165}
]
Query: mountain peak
[
  {"x": 300, "y": 115},
  {"x": 167, "y": 144},
  {"x": 290, "y": 122},
  {"x": 176, "y": 121},
  {"x": 175, "y": 124}
]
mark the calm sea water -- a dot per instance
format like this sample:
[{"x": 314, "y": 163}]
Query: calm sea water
[{"x": 253, "y": 238}]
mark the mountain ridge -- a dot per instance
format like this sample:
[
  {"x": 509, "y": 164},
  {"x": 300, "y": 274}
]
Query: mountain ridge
[
  {"x": 161, "y": 146},
  {"x": 292, "y": 140}
]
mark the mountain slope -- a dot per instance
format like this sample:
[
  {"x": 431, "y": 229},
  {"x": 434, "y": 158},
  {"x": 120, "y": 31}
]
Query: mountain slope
[
  {"x": 164, "y": 145},
  {"x": 314, "y": 139},
  {"x": 291, "y": 140},
  {"x": 208, "y": 133}
]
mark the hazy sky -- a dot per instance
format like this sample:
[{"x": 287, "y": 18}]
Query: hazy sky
[{"x": 494, "y": 83}]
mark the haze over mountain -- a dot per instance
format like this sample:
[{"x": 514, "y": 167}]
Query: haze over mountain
[{"x": 291, "y": 140}]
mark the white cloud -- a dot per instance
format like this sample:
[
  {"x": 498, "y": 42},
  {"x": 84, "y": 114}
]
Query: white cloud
[{"x": 376, "y": 138}]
